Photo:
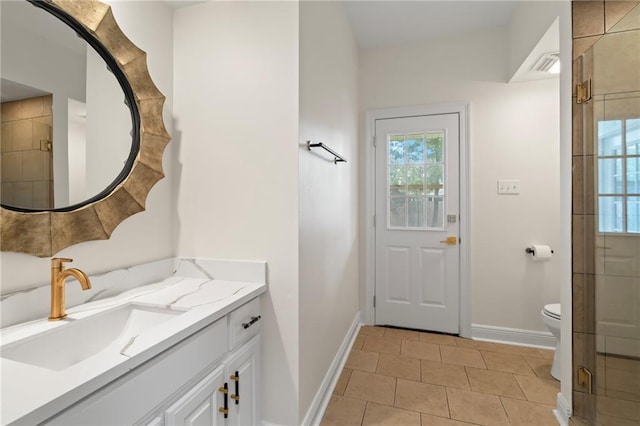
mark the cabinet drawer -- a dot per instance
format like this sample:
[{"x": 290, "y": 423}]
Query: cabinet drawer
[{"x": 244, "y": 323}]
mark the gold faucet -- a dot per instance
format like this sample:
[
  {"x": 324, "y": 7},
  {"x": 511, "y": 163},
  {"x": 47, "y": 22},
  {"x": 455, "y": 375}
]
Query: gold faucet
[{"x": 58, "y": 277}]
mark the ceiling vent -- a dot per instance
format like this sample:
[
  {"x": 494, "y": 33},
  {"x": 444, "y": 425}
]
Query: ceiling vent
[{"x": 548, "y": 62}]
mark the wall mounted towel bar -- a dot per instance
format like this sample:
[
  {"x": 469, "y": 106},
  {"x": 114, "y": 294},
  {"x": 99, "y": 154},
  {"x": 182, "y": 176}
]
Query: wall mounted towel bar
[{"x": 338, "y": 158}]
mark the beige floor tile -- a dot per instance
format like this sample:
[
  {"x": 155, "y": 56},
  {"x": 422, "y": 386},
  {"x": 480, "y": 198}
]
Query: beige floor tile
[
  {"x": 362, "y": 360},
  {"x": 450, "y": 375},
  {"x": 476, "y": 407},
  {"x": 541, "y": 367},
  {"x": 438, "y": 339},
  {"x": 516, "y": 350},
  {"x": 499, "y": 347},
  {"x": 507, "y": 363},
  {"x": 371, "y": 387},
  {"x": 397, "y": 333},
  {"x": 494, "y": 382},
  {"x": 382, "y": 344},
  {"x": 463, "y": 342},
  {"x": 423, "y": 397},
  {"x": 461, "y": 356},
  {"x": 429, "y": 420},
  {"x": 547, "y": 353},
  {"x": 399, "y": 366},
  {"x": 377, "y": 414},
  {"x": 357, "y": 344},
  {"x": 369, "y": 330},
  {"x": 543, "y": 391},
  {"x": 341, "y": 385},
  {"x": 525, "y": 413},
  {"x": 520, "y": 350},
  {"x": 343, "y": 411},
  {"x": 421, "y": 350}
]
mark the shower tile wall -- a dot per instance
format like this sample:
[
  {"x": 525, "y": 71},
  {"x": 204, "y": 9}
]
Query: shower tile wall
[
  {"x": 26, "y": 174},
  {"x": 606, "y": 48}
]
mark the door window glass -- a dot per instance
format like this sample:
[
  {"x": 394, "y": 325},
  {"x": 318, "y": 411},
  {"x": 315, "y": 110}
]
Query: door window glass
[{"x": 416, "y": 180}]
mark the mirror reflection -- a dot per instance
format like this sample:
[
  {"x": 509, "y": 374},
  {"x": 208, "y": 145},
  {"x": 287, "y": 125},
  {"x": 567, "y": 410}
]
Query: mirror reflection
[{"x": 66, "y": 131}]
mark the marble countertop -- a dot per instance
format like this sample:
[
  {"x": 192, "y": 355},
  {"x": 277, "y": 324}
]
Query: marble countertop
[{"x": 31, "y": 394}]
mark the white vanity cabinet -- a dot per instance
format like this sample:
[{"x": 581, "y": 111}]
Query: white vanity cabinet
[
  {"x": 183, "y": 385},
  {"x": 202, "y": 405}
]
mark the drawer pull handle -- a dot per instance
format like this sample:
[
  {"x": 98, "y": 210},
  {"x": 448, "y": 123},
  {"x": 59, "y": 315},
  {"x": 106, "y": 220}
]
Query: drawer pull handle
[
  {"x": 236, "y": 397},
  {"x": 254, "y": 320},
  {"x": 225, "y": 391}
]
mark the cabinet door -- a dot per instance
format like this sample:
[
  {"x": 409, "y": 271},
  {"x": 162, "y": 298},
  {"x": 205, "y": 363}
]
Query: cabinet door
[
  {"x": 200, "y": 405},
  {"x": 244, "y": 364}
]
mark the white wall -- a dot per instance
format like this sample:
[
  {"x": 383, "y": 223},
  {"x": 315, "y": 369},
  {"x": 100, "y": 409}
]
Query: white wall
[
  {"x": 328, "y": 192},
  {"x": 147, "y": 235},
  {"x": 513, "y": 135},
  {"x": 236, "y": 106}
]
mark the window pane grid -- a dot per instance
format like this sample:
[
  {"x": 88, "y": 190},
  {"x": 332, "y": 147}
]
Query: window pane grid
[
  {"x": 619, "y": 176},
  {"x": 416, "y": 180}
]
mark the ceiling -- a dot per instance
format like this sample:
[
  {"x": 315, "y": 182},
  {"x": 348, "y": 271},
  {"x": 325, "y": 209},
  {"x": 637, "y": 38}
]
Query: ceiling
[{"x": 386, "y": 23}]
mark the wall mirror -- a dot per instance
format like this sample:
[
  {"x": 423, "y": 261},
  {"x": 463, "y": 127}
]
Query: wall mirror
[{"x": 82, "y": 128}]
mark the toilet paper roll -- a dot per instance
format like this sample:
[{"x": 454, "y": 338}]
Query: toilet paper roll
[{"x": 541, "y": 253}]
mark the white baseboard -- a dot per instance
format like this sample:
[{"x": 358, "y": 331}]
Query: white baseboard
[
  {"x": 319, "y": 404},
  {"x": 562, "y": 411},
  {"x": 513, "y": 336}
]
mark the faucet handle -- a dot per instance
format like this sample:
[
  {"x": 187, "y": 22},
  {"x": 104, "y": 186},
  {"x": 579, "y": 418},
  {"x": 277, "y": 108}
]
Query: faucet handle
[{"x": 58, "y": 262}]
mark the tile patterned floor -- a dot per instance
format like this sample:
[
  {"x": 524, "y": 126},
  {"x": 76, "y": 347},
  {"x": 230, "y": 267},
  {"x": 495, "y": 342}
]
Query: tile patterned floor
[{"x": 402, "y": 377}]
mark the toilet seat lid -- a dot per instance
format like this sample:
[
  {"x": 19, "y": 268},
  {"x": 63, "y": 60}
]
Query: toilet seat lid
[{"x": 553, "y": 310}]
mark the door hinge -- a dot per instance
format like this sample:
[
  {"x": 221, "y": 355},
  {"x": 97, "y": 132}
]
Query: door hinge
[
  {"x": 374, "y": 301},
  {"x": 585, "y": 378},
  {"x": 374, "y": 220},
  {"x": 583, "y": 92}
]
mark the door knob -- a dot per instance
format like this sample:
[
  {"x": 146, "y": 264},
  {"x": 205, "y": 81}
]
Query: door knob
[{"x": 452, "y": 241}]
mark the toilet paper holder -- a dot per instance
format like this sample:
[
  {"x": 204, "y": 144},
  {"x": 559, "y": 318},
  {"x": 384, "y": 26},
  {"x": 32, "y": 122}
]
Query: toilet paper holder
[{"x": 529, "y": 250}]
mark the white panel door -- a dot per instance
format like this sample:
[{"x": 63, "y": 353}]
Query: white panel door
[{"x": 417, "y": 222}]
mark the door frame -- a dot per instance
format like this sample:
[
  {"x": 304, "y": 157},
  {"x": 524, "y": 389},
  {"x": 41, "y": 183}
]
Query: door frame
[{"x": 368, "y": 290}]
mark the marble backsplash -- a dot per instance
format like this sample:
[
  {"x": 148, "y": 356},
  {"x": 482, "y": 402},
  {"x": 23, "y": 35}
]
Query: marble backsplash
[{"x": 34, "y": 303}]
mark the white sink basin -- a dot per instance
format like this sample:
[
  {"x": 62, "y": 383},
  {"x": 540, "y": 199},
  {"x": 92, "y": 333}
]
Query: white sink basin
[{"x": 82, "y": 338}]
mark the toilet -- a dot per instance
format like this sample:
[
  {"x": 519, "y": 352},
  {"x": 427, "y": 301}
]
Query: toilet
[{"x": 551, "y": 318}]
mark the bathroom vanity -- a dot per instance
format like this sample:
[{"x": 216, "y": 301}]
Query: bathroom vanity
[{"x": 183, "y": 349}]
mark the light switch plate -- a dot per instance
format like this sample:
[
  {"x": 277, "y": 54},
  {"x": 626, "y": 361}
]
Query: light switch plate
[{"x": 508, "y": 186}]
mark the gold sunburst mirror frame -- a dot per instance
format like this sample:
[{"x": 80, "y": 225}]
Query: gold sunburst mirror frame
[{"x": 44, "y": 233}]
